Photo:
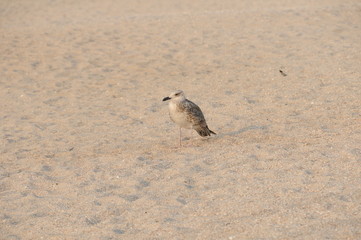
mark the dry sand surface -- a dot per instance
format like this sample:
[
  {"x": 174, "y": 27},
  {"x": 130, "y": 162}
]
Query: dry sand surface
[{"x": 88, "y": 150}]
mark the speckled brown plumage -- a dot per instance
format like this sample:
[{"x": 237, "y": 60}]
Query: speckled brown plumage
[{"x": 187, "y": 114}]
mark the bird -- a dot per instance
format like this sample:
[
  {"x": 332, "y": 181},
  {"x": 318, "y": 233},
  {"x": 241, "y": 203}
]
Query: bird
[{"x": 186, "y": 114}]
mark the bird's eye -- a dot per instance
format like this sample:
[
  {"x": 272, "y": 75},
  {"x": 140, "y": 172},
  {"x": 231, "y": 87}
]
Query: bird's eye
[{"x": 177, "y": 94}]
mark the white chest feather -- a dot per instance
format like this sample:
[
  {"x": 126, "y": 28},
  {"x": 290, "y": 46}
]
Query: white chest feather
[{"x": 178, "y": 116}]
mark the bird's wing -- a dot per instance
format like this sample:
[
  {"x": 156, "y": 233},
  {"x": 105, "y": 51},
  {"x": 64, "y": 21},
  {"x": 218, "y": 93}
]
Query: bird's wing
[
  {"x": 194, "y": 113},
  {"x": 196, "y": 117}
]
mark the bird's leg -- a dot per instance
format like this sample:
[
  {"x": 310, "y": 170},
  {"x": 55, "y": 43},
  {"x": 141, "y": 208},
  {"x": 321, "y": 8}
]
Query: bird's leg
[{"x": 180, "y": 136}]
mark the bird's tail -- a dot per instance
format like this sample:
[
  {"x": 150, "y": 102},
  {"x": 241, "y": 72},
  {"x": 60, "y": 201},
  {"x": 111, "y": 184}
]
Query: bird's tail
[
  {"x": 212, "y": 131},
  {"x": 205, "y": 131}
]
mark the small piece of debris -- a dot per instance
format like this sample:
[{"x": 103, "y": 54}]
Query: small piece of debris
[{"x": 283, "y": 73}]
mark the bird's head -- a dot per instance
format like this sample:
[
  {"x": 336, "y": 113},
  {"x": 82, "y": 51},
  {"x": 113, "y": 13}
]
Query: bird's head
[{"x": 177, "y": 95}]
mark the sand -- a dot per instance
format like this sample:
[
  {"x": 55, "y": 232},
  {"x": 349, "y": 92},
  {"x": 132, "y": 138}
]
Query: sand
[{"x": 88, "y": 150}]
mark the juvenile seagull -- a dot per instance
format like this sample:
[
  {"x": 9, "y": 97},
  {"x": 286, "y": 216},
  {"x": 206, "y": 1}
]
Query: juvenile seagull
[{"x": 187, "y": 115}]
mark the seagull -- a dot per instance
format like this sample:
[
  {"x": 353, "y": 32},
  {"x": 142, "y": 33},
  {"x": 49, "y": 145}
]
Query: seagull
[{"x": 186, "y": 114}]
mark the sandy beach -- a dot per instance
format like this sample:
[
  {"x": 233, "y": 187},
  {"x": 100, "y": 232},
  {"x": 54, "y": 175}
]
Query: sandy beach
[{"x": 88, "y": 151}]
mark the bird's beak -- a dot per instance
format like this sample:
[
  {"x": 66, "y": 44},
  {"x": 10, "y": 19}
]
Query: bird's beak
[{"x": 166, "y": 98}]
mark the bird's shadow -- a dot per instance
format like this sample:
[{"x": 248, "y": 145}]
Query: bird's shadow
[
  {"x": 220, "y": 135},
  {"x": 242, "y": 130}
]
